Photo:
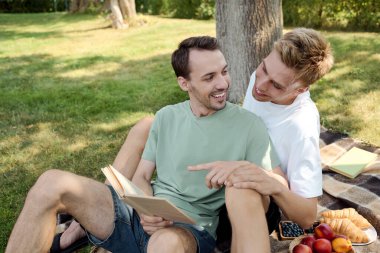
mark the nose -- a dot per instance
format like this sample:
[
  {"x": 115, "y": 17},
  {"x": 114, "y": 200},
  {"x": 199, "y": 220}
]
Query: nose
[
  {"x": 262, "y": 83},
  {"x": 223, "y": 82}
]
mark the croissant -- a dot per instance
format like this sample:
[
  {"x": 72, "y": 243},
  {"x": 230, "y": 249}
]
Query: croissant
[
  {"x": 348, "y": 228},
  {"x": 348, "y": 213}
]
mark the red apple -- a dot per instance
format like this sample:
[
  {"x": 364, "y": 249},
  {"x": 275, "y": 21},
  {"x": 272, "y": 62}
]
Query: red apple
[
  {"x": 308, "y": 240},
  {"x": 324, "y": 231},
  {"x": 301, "y": 248},
  {"x": 322, "y": 246}
]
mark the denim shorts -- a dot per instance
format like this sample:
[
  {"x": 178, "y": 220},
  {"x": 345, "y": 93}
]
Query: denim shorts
[{"x": 128, "y": 234}]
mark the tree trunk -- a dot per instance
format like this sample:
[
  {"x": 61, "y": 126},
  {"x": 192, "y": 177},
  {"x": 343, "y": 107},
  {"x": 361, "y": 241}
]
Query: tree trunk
[
  {"x": 246, "y": 31},
  {"x": 116, "y": 16},
  {"x": 79, "y": 5},
  {"x": 74, "y": 6},
  {"x": 123, "y": 11},
  {"x": 128, "y": 9}
]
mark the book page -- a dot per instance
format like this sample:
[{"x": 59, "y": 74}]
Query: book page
[
  {"x": 154, "y": 206},
  {"x": 120, "y": 183},
  {"x": 142, "y": 203}
]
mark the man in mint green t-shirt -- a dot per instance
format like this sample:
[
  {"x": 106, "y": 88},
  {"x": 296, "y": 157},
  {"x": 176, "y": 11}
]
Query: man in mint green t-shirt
[{"x": 203, "y": 129}]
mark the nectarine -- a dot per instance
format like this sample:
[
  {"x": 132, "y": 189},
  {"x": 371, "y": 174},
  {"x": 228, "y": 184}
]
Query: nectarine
[
  {"x": 301, "y": 248},
  {"x": 322, "y": 246},
  {"x": 324, "y": 231},
  {"x": 341, "y": 245},
  {"x": 308, "y": 240}
]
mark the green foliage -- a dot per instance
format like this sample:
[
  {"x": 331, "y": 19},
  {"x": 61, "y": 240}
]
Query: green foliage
[
  {"x": 199, "y": 9},
  {"x": 17, "y": 6},
  {"x": 350, "y": 14}
]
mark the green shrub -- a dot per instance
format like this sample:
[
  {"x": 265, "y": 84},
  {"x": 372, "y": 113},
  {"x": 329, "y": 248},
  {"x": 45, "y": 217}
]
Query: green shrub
[
  {"x": 349, "y": 14},
  {"x": 199, "y": 9}
]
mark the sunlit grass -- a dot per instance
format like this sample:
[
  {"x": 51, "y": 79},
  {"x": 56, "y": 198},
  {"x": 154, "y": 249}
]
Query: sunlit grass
[
  {"x": 71, "y": 88},
  {"x": 348, "y": 97}
]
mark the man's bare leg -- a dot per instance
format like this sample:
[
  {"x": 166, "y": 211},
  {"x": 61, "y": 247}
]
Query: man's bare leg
[
  {"x": 172, "y": 240},
  {"x": 58, "y": 191},
  {"x": 246, "y": 210},
  {"x": 126, "y": 162}
]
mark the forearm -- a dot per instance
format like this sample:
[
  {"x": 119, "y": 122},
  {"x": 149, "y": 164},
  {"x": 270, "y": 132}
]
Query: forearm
[
  {"x": 144, "y": 185},
  {"x": 296, "y": 208},
  {"x": 143, "y": 176}
]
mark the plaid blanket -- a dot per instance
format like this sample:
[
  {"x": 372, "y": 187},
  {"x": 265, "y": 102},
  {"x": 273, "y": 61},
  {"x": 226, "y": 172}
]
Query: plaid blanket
[{"x": 361, "y": 193}]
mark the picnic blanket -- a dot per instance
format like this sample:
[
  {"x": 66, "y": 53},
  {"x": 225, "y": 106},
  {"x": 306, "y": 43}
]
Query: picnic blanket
[{"x": 361, "y": 193}]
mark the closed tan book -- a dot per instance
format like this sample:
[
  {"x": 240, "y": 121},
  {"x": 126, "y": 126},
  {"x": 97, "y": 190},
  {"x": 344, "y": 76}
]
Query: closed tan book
[{"x": 352, "y": 163}]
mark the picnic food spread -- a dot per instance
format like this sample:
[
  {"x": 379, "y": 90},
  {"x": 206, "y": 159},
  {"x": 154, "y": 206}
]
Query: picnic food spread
[
  {"x": 337, "y": 230},
  {"x": 348, "y": 228},
  {"x": 350, "y": 214},
  {"x": 324, "y": 240}
]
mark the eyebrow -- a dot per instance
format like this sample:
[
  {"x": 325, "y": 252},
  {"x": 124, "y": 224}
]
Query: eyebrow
[
  {"x": 266, "y": 71},
  {"x": 212, "y": 73}
]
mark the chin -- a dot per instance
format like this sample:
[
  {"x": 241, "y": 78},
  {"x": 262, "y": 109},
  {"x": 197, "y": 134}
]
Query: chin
[{"x": 220, "y": 106}]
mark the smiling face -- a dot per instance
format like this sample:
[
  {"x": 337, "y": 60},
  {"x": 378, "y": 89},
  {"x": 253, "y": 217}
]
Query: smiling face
[
  {"x": 208, "y": 81},
  {"x": 275, "y": 82}
]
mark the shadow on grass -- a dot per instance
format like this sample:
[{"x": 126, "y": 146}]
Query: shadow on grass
[
  {"x": 44, "y": 19},
  {"x": 54, "y": 115}
]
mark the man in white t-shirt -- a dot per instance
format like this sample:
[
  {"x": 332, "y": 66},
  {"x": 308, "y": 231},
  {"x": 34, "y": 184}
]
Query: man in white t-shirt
[{"x": 279, "y": 93}]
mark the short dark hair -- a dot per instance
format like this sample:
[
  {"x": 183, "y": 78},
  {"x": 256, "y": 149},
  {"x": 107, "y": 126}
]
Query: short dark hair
[{"x": 180, "y": 57}]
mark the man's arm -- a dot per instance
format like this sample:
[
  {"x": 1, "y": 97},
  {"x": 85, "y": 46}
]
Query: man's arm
[{"x": 143, "y": 176}]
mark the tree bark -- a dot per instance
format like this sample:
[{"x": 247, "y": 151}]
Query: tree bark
[
  {"x": 116, "y": 16},
  {"x": 123, "y": 12},
  {"x": 246, "y": 31},
  {"x": 128, "y": 9}
]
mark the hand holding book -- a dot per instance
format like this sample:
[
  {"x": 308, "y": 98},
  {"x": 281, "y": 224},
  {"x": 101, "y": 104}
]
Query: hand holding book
[{"x": 142, "y": 203}]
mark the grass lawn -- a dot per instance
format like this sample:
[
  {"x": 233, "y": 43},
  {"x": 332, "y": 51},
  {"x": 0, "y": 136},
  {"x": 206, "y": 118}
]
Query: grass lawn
[{"x": 71, "y": 88}]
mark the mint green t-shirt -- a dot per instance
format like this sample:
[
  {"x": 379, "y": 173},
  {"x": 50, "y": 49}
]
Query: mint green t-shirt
[{"x": 178, "y": 139}]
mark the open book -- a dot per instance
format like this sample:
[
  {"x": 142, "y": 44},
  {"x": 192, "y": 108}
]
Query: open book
[{"x": 142, "y": 203}]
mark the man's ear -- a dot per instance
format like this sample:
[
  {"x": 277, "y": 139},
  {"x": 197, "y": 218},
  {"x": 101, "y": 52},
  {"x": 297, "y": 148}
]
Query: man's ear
[{"x": 183, "y": 83}]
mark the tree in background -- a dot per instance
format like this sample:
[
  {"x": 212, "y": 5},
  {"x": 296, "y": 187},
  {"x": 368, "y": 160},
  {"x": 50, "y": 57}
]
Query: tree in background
[
  {"x": 123, "y": 12},
  {"x": 247, "y": 31}
]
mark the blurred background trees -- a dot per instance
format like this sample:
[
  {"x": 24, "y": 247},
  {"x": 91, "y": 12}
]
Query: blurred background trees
[{"x": 363, "y": 15}]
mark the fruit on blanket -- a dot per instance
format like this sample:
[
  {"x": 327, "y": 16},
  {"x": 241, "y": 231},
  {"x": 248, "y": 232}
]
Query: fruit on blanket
[
  {"x": 308, "y": 240},
  {"x": 301, "y": 248},
  {"x": 348, "y": 228},
  {"x": 341, "y": 245},
  {"x": 324, "y": 231},
  {"x": 322, "y": 245}
]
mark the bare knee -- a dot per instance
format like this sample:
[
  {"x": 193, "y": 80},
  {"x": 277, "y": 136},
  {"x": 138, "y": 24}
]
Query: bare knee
[
  {"x": 48, "y": 189},
  {"x": 238, "y": 200},
  {"x": 172, "y": 240}
]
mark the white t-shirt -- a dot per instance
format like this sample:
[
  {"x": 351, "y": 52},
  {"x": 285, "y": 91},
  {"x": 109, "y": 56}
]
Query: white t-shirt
[{"x": 294, "y": 130}]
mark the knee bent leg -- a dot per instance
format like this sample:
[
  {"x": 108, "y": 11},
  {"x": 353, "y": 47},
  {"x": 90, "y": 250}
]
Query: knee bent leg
[
  {"x": 238, "y": 198},
  {"x": 172, "y": 240},
  {"x": 48, "y": 189}
]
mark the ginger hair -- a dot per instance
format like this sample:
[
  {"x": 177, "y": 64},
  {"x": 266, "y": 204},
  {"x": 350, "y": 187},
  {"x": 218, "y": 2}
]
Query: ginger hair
[{"x": 307, "y": 52}]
